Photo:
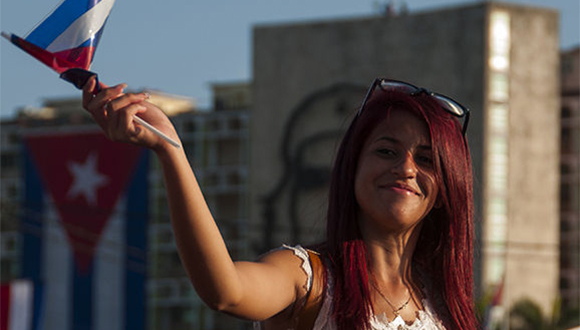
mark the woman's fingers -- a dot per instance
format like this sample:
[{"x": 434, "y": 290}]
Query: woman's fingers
[
  {"x": 115, "y": 104},
  {"x": 122, "y": 127},
  {"x": 91, "y": 104},
  {"x": 87, "y": 91},
  {"x": 96, "y": 105},
  {"x": 114, "y": 111},
  {"x": 116, "y": 114}
]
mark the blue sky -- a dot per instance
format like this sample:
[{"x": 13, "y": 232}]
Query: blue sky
[{"x": 183, "y": 46}]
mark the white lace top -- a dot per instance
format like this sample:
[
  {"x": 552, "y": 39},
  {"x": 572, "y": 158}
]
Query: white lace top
[{"x": 426, "y": 319}]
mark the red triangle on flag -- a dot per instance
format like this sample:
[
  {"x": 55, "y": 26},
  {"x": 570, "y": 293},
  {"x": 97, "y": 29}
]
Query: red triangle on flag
[{"x": 85, "y": 174}]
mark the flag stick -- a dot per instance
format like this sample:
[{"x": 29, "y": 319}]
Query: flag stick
[{"x": 156, "y": 131}]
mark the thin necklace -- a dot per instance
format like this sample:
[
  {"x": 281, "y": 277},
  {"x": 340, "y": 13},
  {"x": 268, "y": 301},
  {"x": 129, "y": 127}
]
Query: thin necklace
[{"x": 396, "y": 310}]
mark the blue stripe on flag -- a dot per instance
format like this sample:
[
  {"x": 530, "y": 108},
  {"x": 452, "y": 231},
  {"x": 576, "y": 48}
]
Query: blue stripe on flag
[
  {"x": 136, "y": 245},
  {"x": 59, "y": 20},
  {"x": 32, "y": 222},
  {"x": 31, "y": 227},
  {"x": 81, "y": 303},
  {"x": 38, "y": 306}
]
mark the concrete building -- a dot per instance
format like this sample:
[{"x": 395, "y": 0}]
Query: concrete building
[{"x": 500, "y": 60}]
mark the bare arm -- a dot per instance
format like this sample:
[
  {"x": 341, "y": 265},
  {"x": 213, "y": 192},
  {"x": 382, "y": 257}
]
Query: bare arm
[{"x": 252, "y": 290}]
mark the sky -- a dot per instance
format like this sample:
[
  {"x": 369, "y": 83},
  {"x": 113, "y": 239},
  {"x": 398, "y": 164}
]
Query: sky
[{"x": 182, "y": 47}]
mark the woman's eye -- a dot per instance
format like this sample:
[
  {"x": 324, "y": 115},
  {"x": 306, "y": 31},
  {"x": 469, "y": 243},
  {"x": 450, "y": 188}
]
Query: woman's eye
[
  {"x": 425, "y": 160},
  {"x": 385, "y": 151}
]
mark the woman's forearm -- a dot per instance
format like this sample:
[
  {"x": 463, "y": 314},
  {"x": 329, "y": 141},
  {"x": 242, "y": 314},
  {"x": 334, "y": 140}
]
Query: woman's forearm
[{"x": 201, "y": 247}]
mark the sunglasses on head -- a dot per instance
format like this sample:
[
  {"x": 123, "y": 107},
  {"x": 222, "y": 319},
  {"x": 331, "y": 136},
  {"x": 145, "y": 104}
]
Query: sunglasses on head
[{"x": 448, "y": 104}]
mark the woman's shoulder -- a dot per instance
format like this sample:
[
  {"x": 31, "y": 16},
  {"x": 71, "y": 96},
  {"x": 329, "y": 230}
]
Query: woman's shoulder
[
  {"x": 295, "y": 262},
  {"x": 294, "y": 259}
]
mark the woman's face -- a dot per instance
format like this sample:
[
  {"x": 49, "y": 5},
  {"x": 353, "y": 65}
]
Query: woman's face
[{"x": 395, "y": 184}]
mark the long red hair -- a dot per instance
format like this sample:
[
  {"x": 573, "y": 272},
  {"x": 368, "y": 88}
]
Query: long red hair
[{"x": 444, "y": 250}]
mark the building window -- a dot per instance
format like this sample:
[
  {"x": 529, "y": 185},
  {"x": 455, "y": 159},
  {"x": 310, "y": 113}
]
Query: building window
[
  {"x": 566, "y": 112},
  {"x": 566, "y": 140},
  {"x": 189, "y": 126},
  {"x": 8, "y": 161},
  {"x": 499, "y": 87}
]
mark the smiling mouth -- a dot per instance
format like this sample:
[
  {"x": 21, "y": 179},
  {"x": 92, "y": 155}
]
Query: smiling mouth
[{"x": 401, "y": 188}]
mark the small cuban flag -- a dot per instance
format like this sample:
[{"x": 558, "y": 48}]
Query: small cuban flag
[
  {"x": 66, "y": 41},
  {"x": 67, "y": 38}
]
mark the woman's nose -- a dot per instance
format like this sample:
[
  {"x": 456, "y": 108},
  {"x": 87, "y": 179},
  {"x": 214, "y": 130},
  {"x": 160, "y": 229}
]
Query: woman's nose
[{"x": 405, "y": 167}]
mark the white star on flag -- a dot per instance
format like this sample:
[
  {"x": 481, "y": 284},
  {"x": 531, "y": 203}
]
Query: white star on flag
[{"x": 86, "y": 179}]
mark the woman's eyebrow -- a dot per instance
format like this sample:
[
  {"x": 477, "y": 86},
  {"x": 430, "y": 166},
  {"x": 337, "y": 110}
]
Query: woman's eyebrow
[
  {"x": 387, "y": 138},
  {"x": 426, "y": 147}
]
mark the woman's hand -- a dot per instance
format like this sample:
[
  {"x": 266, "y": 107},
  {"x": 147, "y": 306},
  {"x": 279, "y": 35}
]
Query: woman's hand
[{"x": 113, "y": 110}]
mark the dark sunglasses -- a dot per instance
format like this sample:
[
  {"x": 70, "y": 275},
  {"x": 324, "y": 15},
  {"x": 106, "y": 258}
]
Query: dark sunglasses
[{"x": 448, "y": 104}]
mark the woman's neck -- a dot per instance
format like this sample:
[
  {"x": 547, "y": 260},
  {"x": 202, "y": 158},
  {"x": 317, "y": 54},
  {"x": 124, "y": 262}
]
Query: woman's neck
[
  {"x": 391, "y": 280},
  {"x": 390, "y": 255}
]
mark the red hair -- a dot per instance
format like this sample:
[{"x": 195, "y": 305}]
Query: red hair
[{"x": 444, "y": 250}]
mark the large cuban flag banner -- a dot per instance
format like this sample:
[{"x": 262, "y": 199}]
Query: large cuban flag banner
[{"x": 85, "y": 230}]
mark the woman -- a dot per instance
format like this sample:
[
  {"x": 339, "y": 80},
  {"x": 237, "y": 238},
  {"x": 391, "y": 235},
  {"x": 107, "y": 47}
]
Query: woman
[{"x": 398, "y": 250}]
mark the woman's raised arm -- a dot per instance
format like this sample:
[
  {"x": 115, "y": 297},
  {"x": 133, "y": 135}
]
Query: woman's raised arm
[{"x": 251, "y": 290}]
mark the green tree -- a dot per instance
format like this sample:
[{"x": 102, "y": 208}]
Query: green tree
[{"x": 527, "y": 315}]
